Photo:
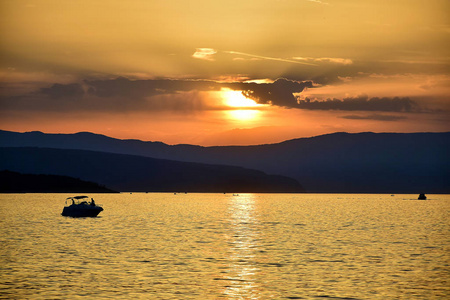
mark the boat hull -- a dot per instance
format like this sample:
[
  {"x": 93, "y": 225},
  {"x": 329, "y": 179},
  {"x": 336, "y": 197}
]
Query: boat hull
[{"x": 81, "y": 211}]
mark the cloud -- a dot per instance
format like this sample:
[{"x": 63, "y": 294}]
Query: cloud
[
  {"x": 269, "y": 58},
  {"x": 123, "y": 87},
  {"x": 204, "y": 53},
  {"x": 57, "y": 90},
  {"x": 376, "y": 117},
  {"x": 319, "y": 2},
  {"x": 333, "y": 60},
  {"x": 428, "y": 92},
  {"x": 280, "y": 93},
  {"x": 362, "y": 103},
  {"x": 122, "y": 94}
]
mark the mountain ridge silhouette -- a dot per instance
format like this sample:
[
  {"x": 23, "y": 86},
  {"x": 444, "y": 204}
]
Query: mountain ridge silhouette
[
  {"x": 131, "y": 173},
  {"x": 339, "y": 162}
]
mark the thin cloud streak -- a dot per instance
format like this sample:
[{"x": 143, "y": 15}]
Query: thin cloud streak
[
  {"x": 362, "y": 103},
  {"x": 208, "y": 53},
  {"x": 319, "y": 2},
  {"x": 270, "y": 58},
  {"x": 375, "y": 117},
  {"x": 335, "y": 60}
]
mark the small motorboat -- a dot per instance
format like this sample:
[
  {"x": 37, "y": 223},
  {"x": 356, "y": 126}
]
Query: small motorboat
[
  {"x": 422, "y": 197},
  {"x": 81, "y": 206}
]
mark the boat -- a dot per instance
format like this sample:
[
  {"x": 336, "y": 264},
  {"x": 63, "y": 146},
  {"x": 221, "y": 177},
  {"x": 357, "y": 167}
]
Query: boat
[
  {"x": 81, "y": 206},
  {"x": 422, "y": 197}
]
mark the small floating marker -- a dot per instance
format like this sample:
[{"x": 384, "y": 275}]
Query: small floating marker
[{"x": 422, "y": 197}]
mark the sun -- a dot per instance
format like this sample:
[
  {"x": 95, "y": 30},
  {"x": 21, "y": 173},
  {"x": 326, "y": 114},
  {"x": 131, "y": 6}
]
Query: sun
[
  {"x": 243, "y": 109},
  {"x": 237, "y": 99}
]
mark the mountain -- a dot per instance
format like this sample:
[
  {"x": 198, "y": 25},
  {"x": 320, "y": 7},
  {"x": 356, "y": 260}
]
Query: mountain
[
  {"x": 135, "y": 173},
  {"x": 13, "y": 182},
  {"x": 250, "y": 136},
  {"x": 339, "y": 162}
]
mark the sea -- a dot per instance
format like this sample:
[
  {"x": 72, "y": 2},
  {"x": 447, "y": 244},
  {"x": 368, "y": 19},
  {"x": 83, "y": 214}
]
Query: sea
[{"x": 226, "y": 246}]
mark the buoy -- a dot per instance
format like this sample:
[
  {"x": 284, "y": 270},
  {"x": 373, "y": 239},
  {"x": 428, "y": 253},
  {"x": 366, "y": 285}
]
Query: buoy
[{"x": 422, "y": 197}]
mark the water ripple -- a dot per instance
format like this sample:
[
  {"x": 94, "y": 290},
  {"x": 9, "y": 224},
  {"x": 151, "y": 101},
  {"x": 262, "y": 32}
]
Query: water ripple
[{"x": 206, "y": 246}]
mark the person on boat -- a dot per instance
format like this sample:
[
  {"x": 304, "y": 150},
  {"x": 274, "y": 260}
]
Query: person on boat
[{"x": 92, "y": 202}]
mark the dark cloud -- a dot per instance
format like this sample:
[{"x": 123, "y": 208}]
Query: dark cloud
[
  {"x": 376, "y": 117},
  {"x": 122, "y": 93},
  {"x": 278, "y": 93},
  {"x": 56, "y": 91},
  {"x": 362, "y": 103},
  {"x": 185, "y": 95},
  {"x": 123, "y": 87}
]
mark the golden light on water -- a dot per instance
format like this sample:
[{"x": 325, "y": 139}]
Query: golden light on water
[
  {"x": 220, "y": 246},
  {"x": 243, "y": 272}
]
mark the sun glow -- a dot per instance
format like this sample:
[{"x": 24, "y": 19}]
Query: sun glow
[
  {"x": 244, "y": 109},
  {"x": 237, "y": 99},
  {"x": 244, "y": 114}
]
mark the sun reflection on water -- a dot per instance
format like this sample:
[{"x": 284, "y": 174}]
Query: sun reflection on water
[{"x": 243, "y": 271}]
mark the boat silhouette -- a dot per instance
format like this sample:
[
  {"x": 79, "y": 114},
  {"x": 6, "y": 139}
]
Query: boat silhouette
[
  {"x": 422, "y": 197},
  {"x": 81, "y": 206}
]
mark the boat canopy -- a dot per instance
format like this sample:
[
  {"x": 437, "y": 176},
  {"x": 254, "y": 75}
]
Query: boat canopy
[{"x": 78, "y": 197}]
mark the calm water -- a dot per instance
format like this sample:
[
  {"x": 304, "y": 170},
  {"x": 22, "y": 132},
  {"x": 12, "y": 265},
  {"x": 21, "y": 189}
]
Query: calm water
[{"x": 215, "y": 246}]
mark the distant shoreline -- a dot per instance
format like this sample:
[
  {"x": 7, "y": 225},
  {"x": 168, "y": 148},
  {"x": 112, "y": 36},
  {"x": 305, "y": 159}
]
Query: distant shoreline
[
  {"x": 230, "y": 194},
  {"x": 14, "y": 182}
]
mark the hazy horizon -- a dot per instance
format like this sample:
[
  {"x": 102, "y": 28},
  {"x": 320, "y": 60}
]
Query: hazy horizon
[{"x": 244, "y": 141}]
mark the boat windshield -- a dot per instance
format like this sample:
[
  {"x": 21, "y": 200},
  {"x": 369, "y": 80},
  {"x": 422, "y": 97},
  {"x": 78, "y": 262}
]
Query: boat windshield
[{"x": 79, "y": 200}]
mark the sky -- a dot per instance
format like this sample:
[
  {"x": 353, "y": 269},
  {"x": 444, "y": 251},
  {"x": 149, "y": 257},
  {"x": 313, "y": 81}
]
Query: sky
[{"x": 224, "y": 72}]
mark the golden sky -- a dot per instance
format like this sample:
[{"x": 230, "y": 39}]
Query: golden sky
[{"x": 224, "y": 72}]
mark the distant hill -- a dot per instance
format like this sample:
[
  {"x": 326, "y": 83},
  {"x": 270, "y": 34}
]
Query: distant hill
[
  {"x": 13, "y": 182},
  {"x": 339, "y": 162},
  {"x": 135, "y": 173}
]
